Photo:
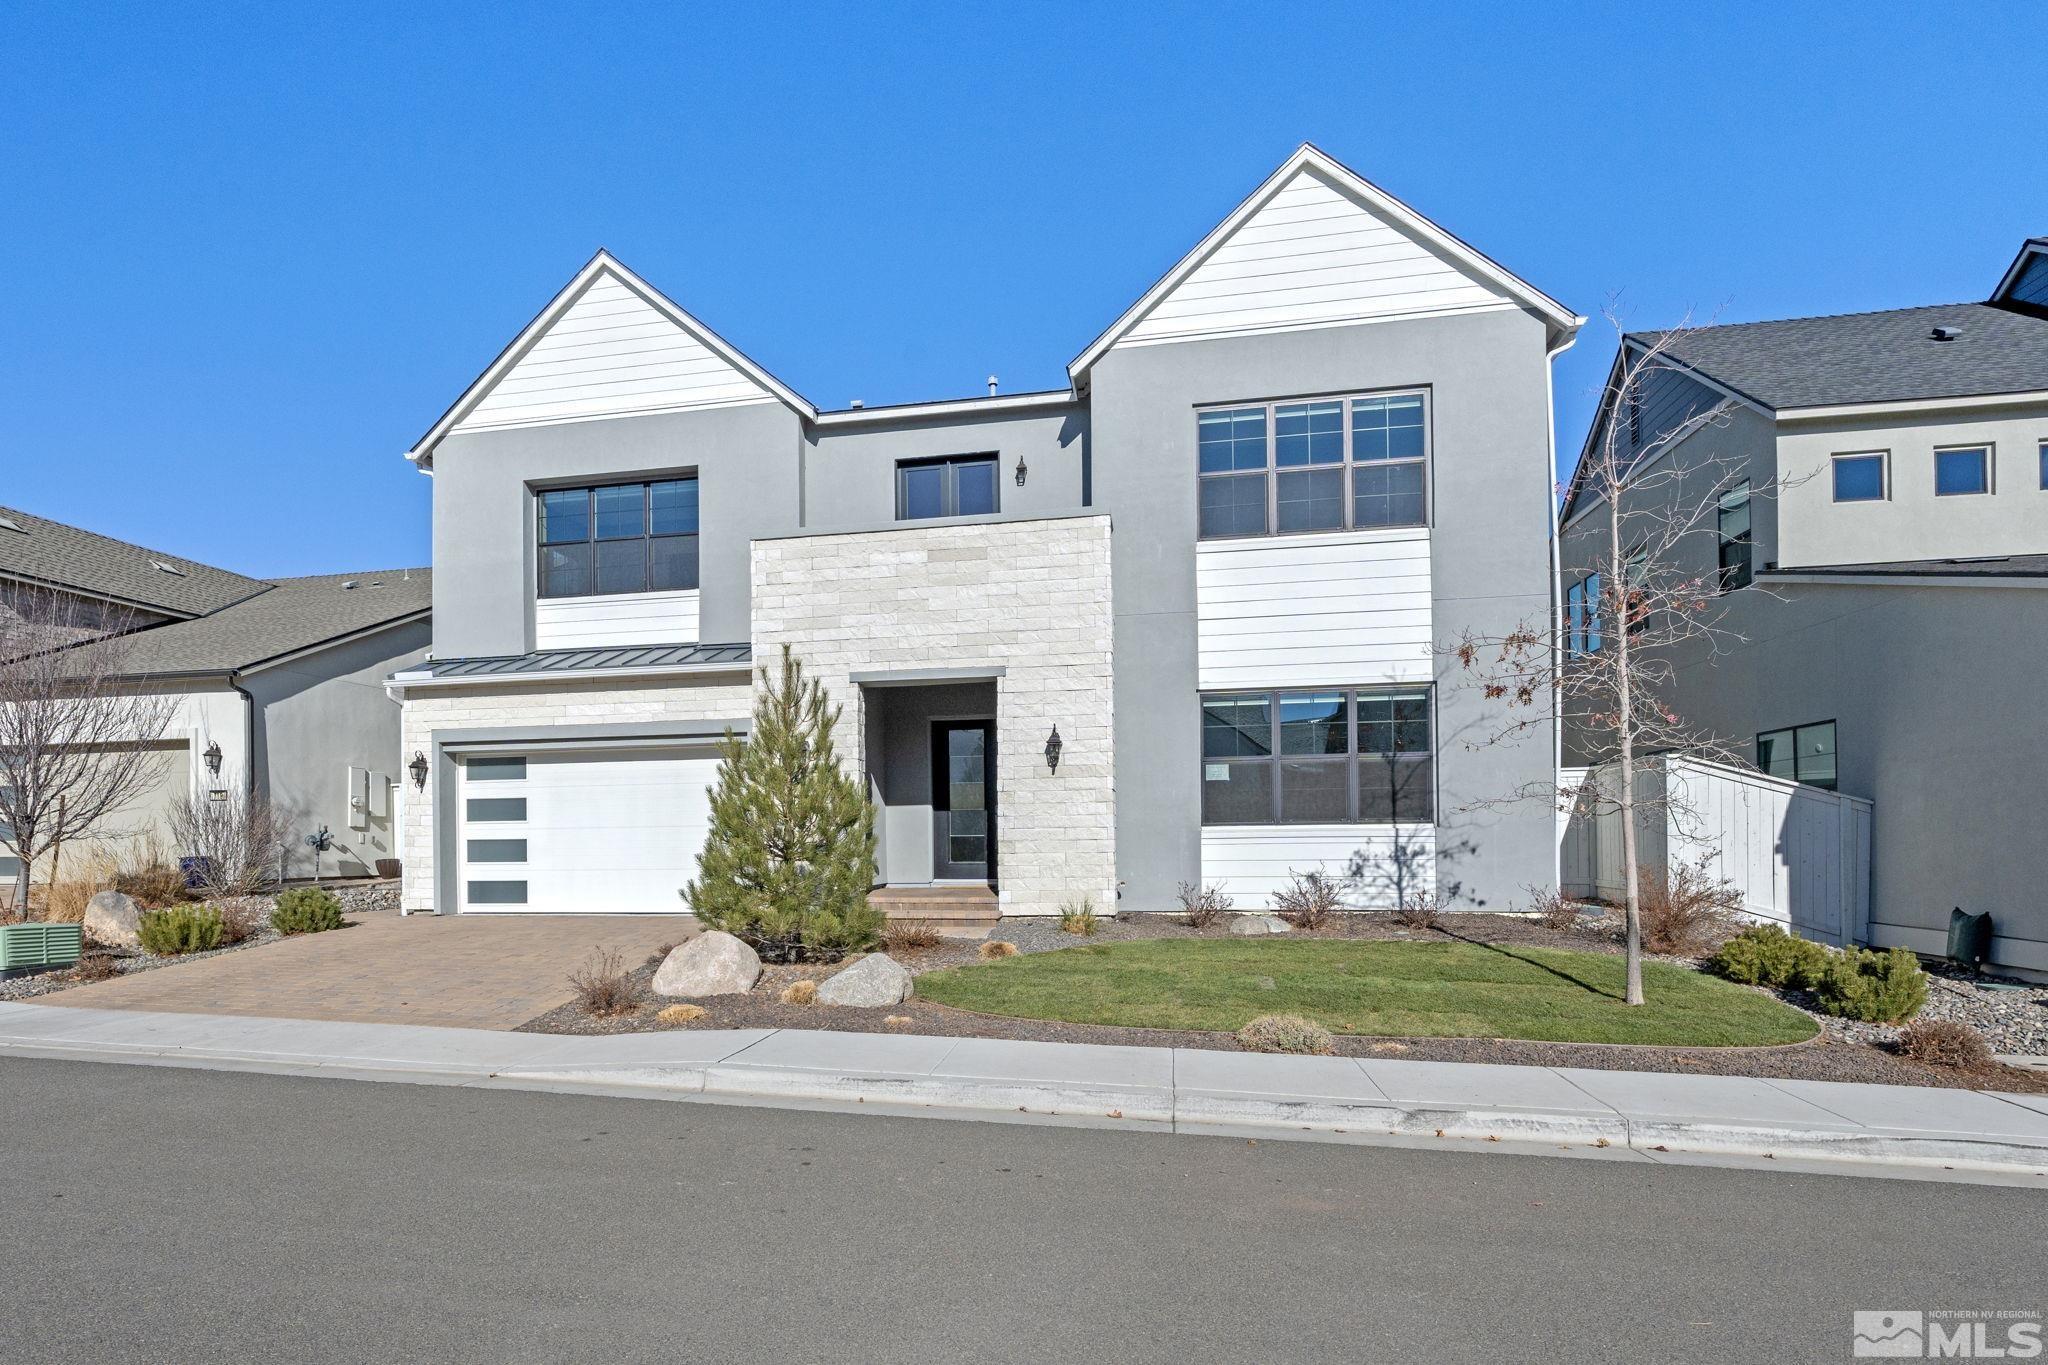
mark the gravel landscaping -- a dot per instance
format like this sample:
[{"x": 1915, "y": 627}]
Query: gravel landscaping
[{"x": 1835, "y": 1056}]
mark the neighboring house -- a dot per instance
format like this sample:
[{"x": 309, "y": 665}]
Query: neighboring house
[
  {"x": 1173, "y": 623},
  {"x": 1892, "y": 597},
  {"x": 280, "y": 682}
]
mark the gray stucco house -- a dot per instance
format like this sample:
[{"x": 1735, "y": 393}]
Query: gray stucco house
[
  {"x": 279, "y": 682},
  {"x": 1891, "y": 598},
  {"x": 1172, "y": 623}
]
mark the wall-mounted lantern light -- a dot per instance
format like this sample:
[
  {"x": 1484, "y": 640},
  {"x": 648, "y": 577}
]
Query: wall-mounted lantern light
[
  {"x": 1052, "y": 750},
  {"x": 418, "y": 769},
  {"x": 1021, "y": 467},
  {"x": 212, "y": 757}
]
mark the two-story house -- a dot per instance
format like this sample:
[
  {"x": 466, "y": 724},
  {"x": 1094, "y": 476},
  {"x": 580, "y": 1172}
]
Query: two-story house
[
  {"x": 1886, "y": 587},
  {"x": 1175, "y": 622}
]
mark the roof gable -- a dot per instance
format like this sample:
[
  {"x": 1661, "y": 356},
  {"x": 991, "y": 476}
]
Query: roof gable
[
  {"x": 608, "y": 345},
  {"x": 1318, "y": 245},
  {"x": 2026, "y": 282}
]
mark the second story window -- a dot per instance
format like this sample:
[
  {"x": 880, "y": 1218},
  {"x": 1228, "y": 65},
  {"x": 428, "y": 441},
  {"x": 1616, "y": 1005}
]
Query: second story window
[
  {"x": 1962, "y": 471},
  {"x": 2044, "y": 466},
  {"x": 621, "y": 537},
  {"x": 957, "y": 486},
  {"x": 1859, "y": 478},
  {"x": 1330, "y": 465},
  {"x": 1732, "y": 518},
  {"x": 1582, "y": 616}
]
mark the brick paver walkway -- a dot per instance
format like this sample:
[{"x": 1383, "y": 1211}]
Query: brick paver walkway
[{"x": 458, "y": 971}]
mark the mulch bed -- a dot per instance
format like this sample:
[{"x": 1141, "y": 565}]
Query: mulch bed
[{"x": 1824, "y": 1059}]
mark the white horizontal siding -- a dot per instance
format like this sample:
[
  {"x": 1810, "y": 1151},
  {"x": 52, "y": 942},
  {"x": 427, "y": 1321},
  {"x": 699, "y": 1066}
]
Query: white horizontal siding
[
  {"x": 1324, "y": 610},
  {"x": 628, "y": 618},
  {"x": 1311, "y": 256},
  {"x": 1369, "y": 864},
  {"x": 611, "y": 354}
]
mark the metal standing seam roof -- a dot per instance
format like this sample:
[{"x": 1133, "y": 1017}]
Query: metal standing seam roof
[{"x": 600, "y": 659}]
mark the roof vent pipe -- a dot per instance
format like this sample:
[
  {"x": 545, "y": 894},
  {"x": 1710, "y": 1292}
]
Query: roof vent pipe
[
  {"x": 857, "y": 404},
  {"x": 991, "y": 386},
  {"x": 1945, "y": 333}
]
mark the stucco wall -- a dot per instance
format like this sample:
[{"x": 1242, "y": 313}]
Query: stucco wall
[
  {"x": 850, "y": 472},
  {"x": 1029, "y": 598}
]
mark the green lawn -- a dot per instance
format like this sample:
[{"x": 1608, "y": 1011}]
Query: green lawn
[{"x": 1414, "y": 990}]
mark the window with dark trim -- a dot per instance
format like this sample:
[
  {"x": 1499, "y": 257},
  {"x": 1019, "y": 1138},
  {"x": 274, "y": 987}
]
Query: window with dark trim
[
  {"x": 619, "y": 537},
  {"x": 956, "y": 486},
  {"x": 2044, "y": 466},
  {"x": 1733, "y": 524},
  {"x": 1804, "y": 753},
  {"x": 1582, "y": 616},
  {"x": 1962, "y": 471},
  {"x": 1318, "y": 756},
  {"x": 1859, "y": 478},
  {"x": 1329, "y": 464}
]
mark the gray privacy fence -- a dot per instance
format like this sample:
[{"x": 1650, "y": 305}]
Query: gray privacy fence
[{"x": 1800, "y": 856}]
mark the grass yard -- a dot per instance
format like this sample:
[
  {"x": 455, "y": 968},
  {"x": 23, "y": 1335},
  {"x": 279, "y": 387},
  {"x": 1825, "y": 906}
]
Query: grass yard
[{"x": 1411, "y": 990}]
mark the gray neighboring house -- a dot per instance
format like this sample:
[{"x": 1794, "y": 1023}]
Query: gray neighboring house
[
  {"x": 1894, "y": 598},
  {"x": 1174, "y": 622},
  {"x": 279, "y": 682}
]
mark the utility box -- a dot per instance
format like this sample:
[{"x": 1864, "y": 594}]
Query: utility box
[
  {"x": 358, "y": 798},
  {"x": 1969, "y": 937},
  {"x": 26, "y": 948}
]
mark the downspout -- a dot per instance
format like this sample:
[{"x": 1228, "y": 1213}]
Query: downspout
[{"x": 248, "y": 735}]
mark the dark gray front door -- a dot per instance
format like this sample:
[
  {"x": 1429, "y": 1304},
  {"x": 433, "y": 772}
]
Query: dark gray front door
[{"x": 963, "y": 799}]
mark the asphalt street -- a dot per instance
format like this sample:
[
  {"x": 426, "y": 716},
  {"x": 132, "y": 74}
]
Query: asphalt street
[{"x": 159, "y": 1214}]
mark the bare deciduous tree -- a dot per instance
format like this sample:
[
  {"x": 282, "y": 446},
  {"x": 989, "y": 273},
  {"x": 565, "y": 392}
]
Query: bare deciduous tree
[
  {"x": 239, "y": 840},
  {"x": 1604, "y": 667},
  {"x": 76, "y": 739}
]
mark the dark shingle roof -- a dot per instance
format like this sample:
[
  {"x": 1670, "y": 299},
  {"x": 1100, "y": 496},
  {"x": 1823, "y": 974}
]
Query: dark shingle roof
[
  {"x": 50, "y": 552},
  {"x": 288, "y": 615},
  {"x": 1873, "y": 357},
  {"x": 1989, "y": 566},
  {"x": 580, "y": 660}
]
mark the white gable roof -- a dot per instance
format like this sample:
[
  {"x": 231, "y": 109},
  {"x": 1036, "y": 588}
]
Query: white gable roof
[
  {"x": 1318, "y": 245},
  {"x": 608, "y": 345}
]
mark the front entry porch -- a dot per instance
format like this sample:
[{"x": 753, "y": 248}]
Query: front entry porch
[{"x": 930, "y": 757}]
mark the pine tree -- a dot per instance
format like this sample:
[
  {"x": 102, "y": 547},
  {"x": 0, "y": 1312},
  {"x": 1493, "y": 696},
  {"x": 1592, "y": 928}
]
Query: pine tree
[{"x": 790, "y": 857}]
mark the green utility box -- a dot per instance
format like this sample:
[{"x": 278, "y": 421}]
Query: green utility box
[
  {"x": 1969, "y": 937},
  {"x": 26, "y": 948}
]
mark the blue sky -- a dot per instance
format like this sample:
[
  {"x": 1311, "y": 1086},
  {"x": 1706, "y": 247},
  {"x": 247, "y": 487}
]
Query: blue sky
[{"x": 256, "y": 250}]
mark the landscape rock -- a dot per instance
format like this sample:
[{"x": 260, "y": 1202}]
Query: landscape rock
[
  {"x": 877, "y": 979},
  {"x": 712, "y": 963},
  {"x": 112, "y": 920},
  {"x": 1250, "y": 926}
]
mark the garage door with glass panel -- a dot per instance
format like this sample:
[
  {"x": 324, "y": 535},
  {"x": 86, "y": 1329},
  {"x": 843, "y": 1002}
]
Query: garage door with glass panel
[{"x": 603, "y": 831}]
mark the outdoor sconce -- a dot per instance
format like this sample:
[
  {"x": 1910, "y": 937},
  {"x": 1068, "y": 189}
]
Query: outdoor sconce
[
  {"x": 1021, "y": 467},
  {"x": 418, "y": 769},
  {"x": 212, "y": 757},
  {"x": 1052, "y": 750}
]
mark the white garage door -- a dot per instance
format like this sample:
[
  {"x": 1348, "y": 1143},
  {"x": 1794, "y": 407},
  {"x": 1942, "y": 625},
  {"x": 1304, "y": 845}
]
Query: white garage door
[{"x": 613, "y": 831}]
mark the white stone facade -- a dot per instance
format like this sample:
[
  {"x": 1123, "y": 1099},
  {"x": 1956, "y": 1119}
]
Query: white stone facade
[{"x": 1028, "y": 598}]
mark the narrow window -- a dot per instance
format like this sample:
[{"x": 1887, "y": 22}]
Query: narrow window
[
  {"x": 1589, "y": 614},
  {"x": 957, "y": 486},
  {"x": 1859, "y": 478},
  {"x": 1389, "y": 453},
  {"x": 2044, "y": 465},
  {"x": 497, "y": 893},
  {"x": 1962, "y": 471},
  {"x": 1575, "y": 619},
  {"x": 497, "y": 850},
  {"x": 495, "y": 769},
  {"x": 1733, "y": 518},
  {"x": 617, "y": 538},
  {"x": 493, "y": 809},
  {"x": 1308, "y": 454},
  {"x": 1231, "y": 450},
  {"x": 1802, "y": 753}
]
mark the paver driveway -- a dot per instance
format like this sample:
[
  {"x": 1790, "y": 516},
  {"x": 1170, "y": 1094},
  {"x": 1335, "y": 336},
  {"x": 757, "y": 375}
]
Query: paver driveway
[{"x": 459, "y": 971}]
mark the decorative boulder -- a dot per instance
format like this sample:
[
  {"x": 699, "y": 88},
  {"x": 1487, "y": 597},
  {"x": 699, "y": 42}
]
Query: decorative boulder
[
  {"x": 712, "y": 963},
  {"x": 877, "y": 979},
  {"x": 1250, "y": 926},
  {"x": 112, "y": 920}
]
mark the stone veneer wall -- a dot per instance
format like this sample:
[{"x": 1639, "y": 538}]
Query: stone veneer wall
[
  {"x": 1029, "y": 597},
  {"x": 724, "y": 697}
]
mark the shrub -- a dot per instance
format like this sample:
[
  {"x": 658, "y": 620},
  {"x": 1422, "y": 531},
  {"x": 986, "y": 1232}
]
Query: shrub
[
  {"x": 1765, "y": 955},
  {"x": 790, "y": 856},
  {"x": 94, "y": 967},
  {"x": 235, "y": 839},
  {"x": 1687, "y": 911},
  {"x": 910, "y": 935},
  {"x": 897, "y": 1021},
  {"x": 1079, "y": 917},
  {"x": 179, "y": 929},
  {"x": 1202, "y": 906},
  {"x": 1307, "y": 902},
  {"x": 65, "y": 902},
  {"x": 603, "y": 986},
  {"x": 680, "y": 1014},
  {"x": 1944, "y": 1042},
  {"x": 1286, "y": 1033},
  {"x": 800, "y": 993},
  {"x": 153, "y": 886},
  {"x": 1554, "y": 911},
  {"x": 306, "y": 910},
  {"x": 1419, "y": 910},
  {"x": 1874, "y": 987},
  {"x": 995, "y": 948}
]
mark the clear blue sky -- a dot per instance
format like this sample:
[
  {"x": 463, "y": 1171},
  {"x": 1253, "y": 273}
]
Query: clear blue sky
[{"x": 255, "y": 250}]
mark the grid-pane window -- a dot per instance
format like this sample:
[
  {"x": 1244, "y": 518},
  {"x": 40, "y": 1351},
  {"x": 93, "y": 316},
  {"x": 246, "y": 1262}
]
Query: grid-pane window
[
  {"x": 1859, "y": 478},
  {"x": 1803, "y": 753},
  {"x": 957, "y": 486},
  {"x": 1960, "y": 472},
  {"x": 1326, "y": 465},
  {"x": 1733, "y": 521},
  {"x": 1328, "y": 756},
  {"x": 1582, "y": 616},
  {"x": 623, "y": 537}
]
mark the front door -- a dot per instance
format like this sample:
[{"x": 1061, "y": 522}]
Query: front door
[{"x": 963, "y": 800}]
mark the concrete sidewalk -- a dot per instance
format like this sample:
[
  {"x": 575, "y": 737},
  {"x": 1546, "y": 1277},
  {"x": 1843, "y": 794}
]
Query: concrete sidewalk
[{"x": 1624, "y": 1114}]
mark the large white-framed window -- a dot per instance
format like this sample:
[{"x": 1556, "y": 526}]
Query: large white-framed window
[
  {"x": 1354, "y": 462},
  {"x": 1336, "y": 755},
  {"x": 616, "y": 538},
  {"x": 1861, "y": 476}
]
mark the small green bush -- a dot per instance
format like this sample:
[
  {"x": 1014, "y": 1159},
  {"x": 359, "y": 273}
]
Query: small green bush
[
  {"x": 306, "y": 910},
  {"x": 179, "y": 929},
  {"x": 1765, "y": 955},
  {"x": 1286, "y": 1033},
  {"x": 1877, "y": 988}
]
